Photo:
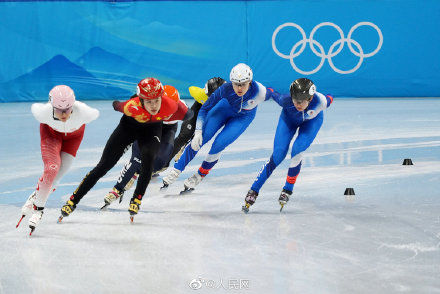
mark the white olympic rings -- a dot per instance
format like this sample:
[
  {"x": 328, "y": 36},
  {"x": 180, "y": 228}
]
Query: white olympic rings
[{"x": 331, "y": 53}]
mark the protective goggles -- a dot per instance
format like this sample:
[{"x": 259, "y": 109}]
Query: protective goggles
[
  {"x": 58, "y": 111},
  {"x": 243, "y": 84},
  {"x": 302, "y": 101}
]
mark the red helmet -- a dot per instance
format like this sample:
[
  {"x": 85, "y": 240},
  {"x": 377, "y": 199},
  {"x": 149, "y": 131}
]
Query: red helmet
[
  {"x": 149, "y": 88},
  {"x": 172, "y": 92}
]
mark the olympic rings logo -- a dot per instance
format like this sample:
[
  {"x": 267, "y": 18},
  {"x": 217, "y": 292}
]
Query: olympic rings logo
[{"x": 331, "y": 52}]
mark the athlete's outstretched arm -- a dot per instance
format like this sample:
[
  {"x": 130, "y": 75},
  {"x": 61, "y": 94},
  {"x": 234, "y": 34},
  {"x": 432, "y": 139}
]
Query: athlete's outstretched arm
[
  {"x": 210, "y": 103},
  {"x": 282, "y": 99}
]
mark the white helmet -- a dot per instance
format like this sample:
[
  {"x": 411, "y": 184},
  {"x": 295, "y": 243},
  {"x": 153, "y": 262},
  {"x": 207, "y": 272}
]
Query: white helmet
[{"x": 241, "y": 73}]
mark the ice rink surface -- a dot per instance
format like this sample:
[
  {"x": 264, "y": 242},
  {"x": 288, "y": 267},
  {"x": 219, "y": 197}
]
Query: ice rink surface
[{"x": 385, "y": 239}]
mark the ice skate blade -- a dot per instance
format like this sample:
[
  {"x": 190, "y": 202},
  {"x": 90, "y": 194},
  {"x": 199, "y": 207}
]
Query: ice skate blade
[
  {"x": 245, "y": 208},
  {"x": 186, "y": 191},
  {"x": 120, "y": 198},
  {"x": 32, "y": 230},
  {"x": 164, "y": 187},
  {"x": 20, "y": 221},
  {"x": 104, "y": 207},
  {"x": 282, "y": 206}
]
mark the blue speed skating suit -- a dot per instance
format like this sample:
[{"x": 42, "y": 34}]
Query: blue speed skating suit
[
  {"x": 224, "y": 108},
  {"x": 307, "y": 123}
]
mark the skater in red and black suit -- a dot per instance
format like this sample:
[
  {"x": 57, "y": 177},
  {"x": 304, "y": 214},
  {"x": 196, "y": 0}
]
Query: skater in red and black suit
[{"x": 142, "y": 121}]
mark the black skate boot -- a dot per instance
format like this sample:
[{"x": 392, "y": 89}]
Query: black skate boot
[
  {"x": 284, "y": 198},
  {"x": 135, "y": 203},
  {"x": 251, "y": 196},
  {"x": 67, "y": 209}
]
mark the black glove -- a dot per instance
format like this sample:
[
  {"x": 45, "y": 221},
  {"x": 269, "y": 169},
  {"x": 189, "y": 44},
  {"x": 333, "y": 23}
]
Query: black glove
[{"x": 116, "y": 105}]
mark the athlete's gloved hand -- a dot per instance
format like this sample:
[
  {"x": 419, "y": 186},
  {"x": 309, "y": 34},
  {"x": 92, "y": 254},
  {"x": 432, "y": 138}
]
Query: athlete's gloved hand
[
  {"x": 197, "y": 141},
  {"x": 117, "y": 105}
]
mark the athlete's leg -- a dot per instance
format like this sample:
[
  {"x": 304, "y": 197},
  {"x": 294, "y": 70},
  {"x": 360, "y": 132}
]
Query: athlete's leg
[
  {"x": 121, "y": 137},
  {"x": 51, "y": 144},
  {"x": 166, "y": 146},
  {"x": 149, "y": 144},
  {"x": 306, "y": 134},
  {"x": 216, "y": 118},
  {"x": 234, "y": 127},
  {"x": 69, "y": 149},
  {"x": 283, "y": 136},
  {"x": 186, "y": 132},
  {"x": 130, "y": 169},
  {"x": 66, "y": 163}
]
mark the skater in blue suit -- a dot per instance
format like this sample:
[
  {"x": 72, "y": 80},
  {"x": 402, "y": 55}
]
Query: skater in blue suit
[
  {"x": 302, "y": 112},
  {"x": 232, "y": 106}
]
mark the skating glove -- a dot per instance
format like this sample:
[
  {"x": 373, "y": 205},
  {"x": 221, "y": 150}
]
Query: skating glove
[
  {"x": 197, "y": 141},
  {"x": 118, "y": 106}
]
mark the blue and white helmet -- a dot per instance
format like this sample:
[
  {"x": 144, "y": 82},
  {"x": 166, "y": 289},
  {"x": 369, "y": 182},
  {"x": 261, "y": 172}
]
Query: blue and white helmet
[{"x": 241, "y": 73}]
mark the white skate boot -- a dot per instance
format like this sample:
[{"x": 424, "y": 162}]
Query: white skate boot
[
  {"x": 170, "y": 178},
  {"x": 191, "y": 182},
  {"x": 112, "y": 196},
  {"x": 28, "y": 205},
  {"x": 35, "y": 218},
  {"x": 27, "y": 208}
]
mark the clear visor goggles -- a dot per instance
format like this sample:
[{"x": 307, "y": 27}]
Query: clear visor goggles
[{"x": 63, "y": 111}]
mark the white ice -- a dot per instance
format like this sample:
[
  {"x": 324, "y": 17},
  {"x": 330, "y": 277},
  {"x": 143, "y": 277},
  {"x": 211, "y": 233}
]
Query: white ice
[{"x": 385, "y": 239}]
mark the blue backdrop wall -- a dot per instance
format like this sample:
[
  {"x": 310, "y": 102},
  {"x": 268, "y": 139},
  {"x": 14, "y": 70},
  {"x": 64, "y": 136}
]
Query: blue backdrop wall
[{"x": 102, "y": 49}]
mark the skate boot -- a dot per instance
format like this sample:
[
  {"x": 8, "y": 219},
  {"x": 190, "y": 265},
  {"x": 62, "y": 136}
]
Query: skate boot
[
  {"x": 134, "y": 207},
  {"x": 251, "y": 196},
  {"x": 35, "y": 218},
  {"x": 112, "y": 196},
  {"x": 191, "y": 182},
  {"x": 156, "y": 173},
  {"x": 170, "y": 178},
  {"x": 67, "y": 209},
  {"x": 27, "y": 207},
  {"x": 284, "y": 198}
]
